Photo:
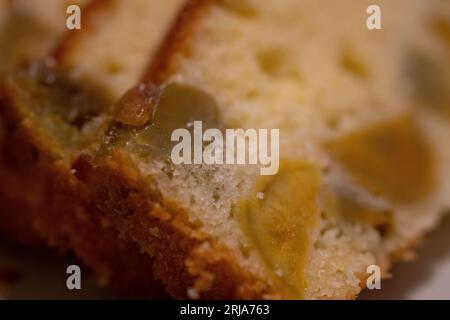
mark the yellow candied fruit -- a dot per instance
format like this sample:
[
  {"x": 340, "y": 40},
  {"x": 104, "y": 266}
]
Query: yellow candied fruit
[
  {"x": 279, "y": 218},
  {"x": 391, "y": 160}
]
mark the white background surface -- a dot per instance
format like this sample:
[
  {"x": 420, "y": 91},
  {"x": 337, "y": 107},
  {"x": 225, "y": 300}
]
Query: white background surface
[{"x": 43, "y": 274}]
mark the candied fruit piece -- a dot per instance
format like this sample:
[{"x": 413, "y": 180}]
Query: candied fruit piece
[{"x": 279, "y": 223}]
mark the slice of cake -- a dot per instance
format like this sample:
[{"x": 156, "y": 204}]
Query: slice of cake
[
  {"x": 53, "y": 109},
  {"x": 29, "y": 29},
  {"x": 362, "y": 117}
]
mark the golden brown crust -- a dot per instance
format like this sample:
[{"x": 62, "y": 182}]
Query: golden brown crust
[
  {"x": 189, "y": 263},
  {"x": 176, "y": 41},
  {"x": 49, "y": 205},
  {"x": 15, "y": 202},
  {"x": 41, "y": 200},
  {"x": 14, "y": 167}
]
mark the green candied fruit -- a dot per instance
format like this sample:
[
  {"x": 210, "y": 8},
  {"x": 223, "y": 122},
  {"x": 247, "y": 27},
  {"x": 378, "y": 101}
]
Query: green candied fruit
[
  {"x": 146, "y": 118},
  {"x": 66, "y": 109},
  {"x": 20, "y": 36}
]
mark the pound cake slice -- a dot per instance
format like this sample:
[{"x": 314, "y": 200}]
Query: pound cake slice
[
  {"x": 53, "y": 109},
  {"x": 29, "y": 29},
  {"x": 363, "y": 174}
]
